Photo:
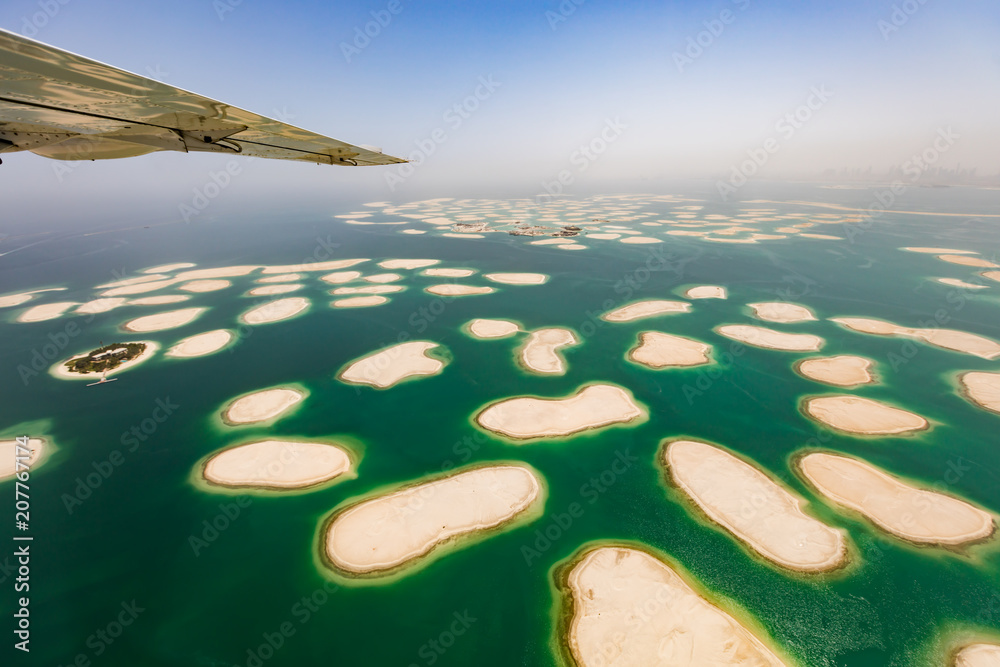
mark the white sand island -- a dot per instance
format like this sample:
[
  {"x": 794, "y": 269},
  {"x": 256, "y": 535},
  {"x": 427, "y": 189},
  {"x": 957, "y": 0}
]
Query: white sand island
[
  {"x": 771, "y": 339},
  {"x": 166, "y": 268},
  {"x": 359, "y": 302},
  {"x": 978, "y": 655},
  {"x": 369, "y": 289},
  {"x": 911, "y": 513},
  {"x": 540, "y": 352},
  {"x": 949, "y": 339},
  {"x": 660, "y": 350},
  {"x": 277, "y": 464},
  {"x": 102, "y": 305},
  {"x": 9, "y": 453},
  {"x": 965, "y": 260},
  {"x": 163, "y": 321},
  {"x": 46, "y": 311},
  {"x": 389, "y": 366},
  {"x": 764, "y": 515},
  {"x": 281, "y": 278},
  {"x": 843, "y": 370},
  {"x": 340, "y": 277},
  {"x": 630, "y": 608},
  {"x": 313, "y": 266},
  {"x": 517, "y": 278},
  {"x": 447, "y": 273},
  {"x": 862, "y": 416},
  {"x": 643, "y": 309},
  {"x": 982, "y": 388},
  {"x": 938, "y": 251},
  {"x": 205, "y": 285},
  {"x": 955, "y": 282},
  {"x": 275, "y": 311},
  {"x": 261, "y": 406},
  {"x": 706, "y": 292},
  {"x": 158, "y": 300},
  {"x": 785, "y": 313},
  {"x": 592, "y": 407},
  {"x": 274, "y": 290},
  {"x": 408, "y": 263},
  {"x": 482, "y": 328},
  {"x": 389, "y": 531},
  {"x": 60, "y": 370},
  {"x": 201, "y": 344},
  {"x": 457, "y": 290}
]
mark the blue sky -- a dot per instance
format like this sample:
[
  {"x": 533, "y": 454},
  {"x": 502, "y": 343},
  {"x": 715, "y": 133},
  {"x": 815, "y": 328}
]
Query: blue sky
[{"x": 891, "y": 75}]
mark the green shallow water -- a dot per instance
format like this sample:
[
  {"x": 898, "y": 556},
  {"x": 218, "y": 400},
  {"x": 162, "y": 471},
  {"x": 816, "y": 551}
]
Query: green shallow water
[{"x": 211, "y": 603}]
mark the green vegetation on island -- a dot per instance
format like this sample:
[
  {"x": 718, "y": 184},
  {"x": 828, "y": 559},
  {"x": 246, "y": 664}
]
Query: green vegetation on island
[{"x": 106, "y": 358}]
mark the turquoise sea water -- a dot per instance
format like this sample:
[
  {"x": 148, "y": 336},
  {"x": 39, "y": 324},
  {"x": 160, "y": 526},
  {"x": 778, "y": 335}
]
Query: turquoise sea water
[{"x": 216, "y": 599}]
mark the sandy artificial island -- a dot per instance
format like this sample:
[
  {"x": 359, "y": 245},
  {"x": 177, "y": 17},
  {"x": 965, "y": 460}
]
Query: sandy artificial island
[
  {"x": 391, "y": 530},
  {"x": 540, "y": 352},
  {"x": 642, "y": 309},
  {"x": 274, "y": 290},
  {"x": 863, "y": 416},
  {"x": 392, "y": 365},
  {"x": 274, "y": 311},
  {"x": 706, "y": 292},
  {"x": 10, "y": 453},
  {"x": 47, "y": 311},
  {"x": 163, "y": 321},
  {"x": 481, "y": 328},
  {"x": 914, "y": 514},
  {"x": 277, "y": 464},
  {"x": 630, "y": 608},
  {"x": 201, "y": 344},
  {"x": 360, "y": 302},
  {"x": 775, "y": 311},
  {"x": 843, "y": 370},
  {"x": 660, "y": 350},
  {"x": 517, "y": 278},
  {"x": 447, "y": 273},
  {"x": 982, "y": 388},
  {"x": 457, "y": 290},
  {"x": 949, "y": 339},
  {"x": 771, "y": 339},
  {"x": 261, "y": 406},
  {"x": 592, "y": 407},
  {"x": 765, "y": 516},
  {"x": 408, "y": 263},
  {"x": 978, "y": 655}
]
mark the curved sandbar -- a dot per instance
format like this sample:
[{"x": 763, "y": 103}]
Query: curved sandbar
[
  {"x": 639, "y": 240},
  {"x": 982, "y": 388},
  {"x": 340, "y": 277},
  {"x": 911, "y": 513},
  {"x": 205, "y": 285},
  {"x": 277, "y": 464},
  {"x": 447, "y": 273},
  {"x": 165, "y": 268},
  {"x": 660, "y": 350},
  {"x": 938, "y": 251},
  {"x": 637, "y": 610},
  {"x": 369, "y": 289},
  {"x": 457, "y": 290},
  {"x": 132, "y": 281},
  {"x": 771, "y": 339},
  {"x": 843, "y": 370},
  {"x": 261, "y": 406},
  {"x": 949, "y": 339},
  {"x": 992, "y": 275},
  {"x": 140, "y": 288},
  {"x": 978, "y": 655},
  {"x": 481, "y": 328},
  {"x": 642, "y": 309},
  {"x": 388, "y": 531},
  {"x": 706, "y": 292},
  {"x": 965, "y": 260},
  {"x": 360, "y": 302},
  {"x": 281, "y": 278},
  {"x": 15, "y": 299},
  {"x": 158, "y": 300},
  {"x": 102, "y": 305},
  {"x": 408, "y": 263},
  {"x": 540, "y": 352},
  {"x": 955, "y": 282},
  {"x": 313, "y": 266},
  {"x": 162, "y": 321},
  {"x": 863, "y": 416},
  {"x": 220, "y": 272},
  {"x": 781, "y": 312},
  {"x": 61, "y": 371},
  {"x": 201, "y": 344},
  {"x": 273, "y": 290},
  {"x": 592, "y": 407},
  {"x": 46, "y": 311},
  {"x": 758, "y": 511},
  {"x": 382, "y": 278},
  {"x": 274, "y": 311},
  {"x": 392, "y": 365},
  {"x": 10, "y": 451},
  {"x": 517, "y": 278}
]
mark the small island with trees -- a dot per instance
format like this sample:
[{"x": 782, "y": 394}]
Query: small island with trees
[{"x": 105, "y": 358}]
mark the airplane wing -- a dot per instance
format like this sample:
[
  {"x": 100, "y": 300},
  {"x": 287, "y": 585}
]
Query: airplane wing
[{"x": 66, "y": 107}]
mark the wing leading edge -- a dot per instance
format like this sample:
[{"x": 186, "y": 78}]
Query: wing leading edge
[{"x": 66, "y": 107}]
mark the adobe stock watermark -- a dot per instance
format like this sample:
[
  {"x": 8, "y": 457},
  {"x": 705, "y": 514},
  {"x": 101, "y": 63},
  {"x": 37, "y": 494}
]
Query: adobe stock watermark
[
  {"x": 900, "y": 16},
  {"x": 699, "y": 43},
  {"x": 363, "y": 35},
  {"x": 584, "y": 156},
  {"x": 105, "y": 636},
  {"x": 432, "y": 651},
  {"x": 786, "y": 127},
  {"x": 47, "y": 10},
  {"x": 454, "y": 117},
  {"x": 204, "y": 194},
  {"x": 565, "y": 9}
]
